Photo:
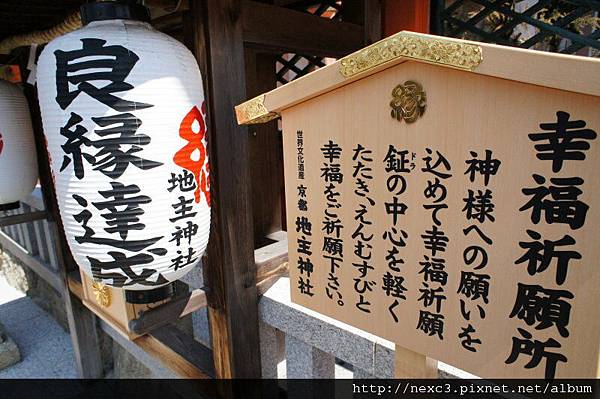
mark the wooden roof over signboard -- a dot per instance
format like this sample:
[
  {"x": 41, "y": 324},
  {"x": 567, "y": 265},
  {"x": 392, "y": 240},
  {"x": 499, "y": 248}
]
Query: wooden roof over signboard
[{"x": 527, "y": 66}]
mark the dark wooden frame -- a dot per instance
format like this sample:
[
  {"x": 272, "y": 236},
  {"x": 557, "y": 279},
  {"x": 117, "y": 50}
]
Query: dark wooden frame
[{"x": 234, "y": 42}]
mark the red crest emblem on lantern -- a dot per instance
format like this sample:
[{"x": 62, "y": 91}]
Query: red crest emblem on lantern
[{"x": 193, "y": 155}]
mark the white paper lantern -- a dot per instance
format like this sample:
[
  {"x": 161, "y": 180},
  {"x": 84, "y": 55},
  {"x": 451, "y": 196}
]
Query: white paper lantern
[
  {"x": 18, "y": 158},
  {"x": 123, "y": 112}
]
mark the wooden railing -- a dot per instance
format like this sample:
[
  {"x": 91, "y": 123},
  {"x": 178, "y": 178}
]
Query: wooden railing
[{"x": 31, "y": 241}]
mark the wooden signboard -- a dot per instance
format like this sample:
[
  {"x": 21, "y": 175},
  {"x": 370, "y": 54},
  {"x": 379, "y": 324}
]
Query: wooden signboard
[{"x": 442, "y": 194}]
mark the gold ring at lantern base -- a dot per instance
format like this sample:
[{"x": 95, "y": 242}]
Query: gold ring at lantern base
[
  {"x": 102, "y": 294},
  {"x": 408, "y": 101}
]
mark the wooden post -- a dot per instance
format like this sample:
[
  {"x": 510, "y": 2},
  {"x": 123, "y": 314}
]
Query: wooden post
[
  {"x": 409, "y": 364},
  {"x": 367, "y": 13},
  {"x": 266, "y": 153},
  {"x": 230, "y": 272},
  {"x": 82, "y": 322}
]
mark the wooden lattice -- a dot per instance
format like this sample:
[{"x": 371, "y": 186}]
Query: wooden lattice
[
  {"x": 290, "y": 66},
  {"x": 566, "y": 26}
]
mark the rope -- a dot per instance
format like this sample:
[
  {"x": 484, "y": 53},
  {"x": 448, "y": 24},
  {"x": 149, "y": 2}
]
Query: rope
[{"x": 71, "y": 23}]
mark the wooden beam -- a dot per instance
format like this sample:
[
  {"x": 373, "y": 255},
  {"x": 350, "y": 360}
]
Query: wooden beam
[
  {"x": 372, "y": 24},
  {"x": 271, "y": 264},
  {"x": 270, "y": 257},
  {"x": 75, "y": 286},
  {"x": 179, "y": 351},
  {"x": 22, "y": 218},
  {"x": 271, "y": 278},
  {"x": 366, "y": 13},
  {"x": 164, "y": 314},
  {"x": 230, "y": 272},
  {"x": 285, "y": 3},
  {"x": 176, "y": 350},
  {"x": 169, "y": 22},
  {"x": 266, "y": 153},
  {"x": 280, "y": 30},
  {"x": 84, "y": 337}
]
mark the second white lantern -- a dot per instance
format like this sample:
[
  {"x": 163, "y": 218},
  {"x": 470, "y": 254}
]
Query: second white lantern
[
  {"x": 18, "y": 158},
  {"x": 123, "y": 111}
]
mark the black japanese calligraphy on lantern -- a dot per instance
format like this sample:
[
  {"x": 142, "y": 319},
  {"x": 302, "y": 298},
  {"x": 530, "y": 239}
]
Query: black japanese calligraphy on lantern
[
  {"x": 185, "y": 229},
  {"x": 184, "y": 259},
  {"x": 76, "y": 138},
  {"x": 121, "y": 210},
  {"x": 120, "y": 130},
  {"x": 183, "y": 181},
  {"x": 120, "y": 221},
  {"x": 185, "y": 233},
  {"x": 90, "y": 237},
  {"x": 100, "y": 71},
  {"x": 183, "y": 209},
  {"x": 120, "y": 271},
  {"x": 118, "y": 147},
  {"x": 94, "y": 64}
]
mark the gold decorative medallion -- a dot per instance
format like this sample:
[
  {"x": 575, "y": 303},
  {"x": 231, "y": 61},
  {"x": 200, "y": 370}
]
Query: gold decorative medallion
[
  {"x": 436, "y": 50},
  {"x": 254, "y": 111},
  {"x": 102, "y": 294},
  {"x": 408, "y": 101}
]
